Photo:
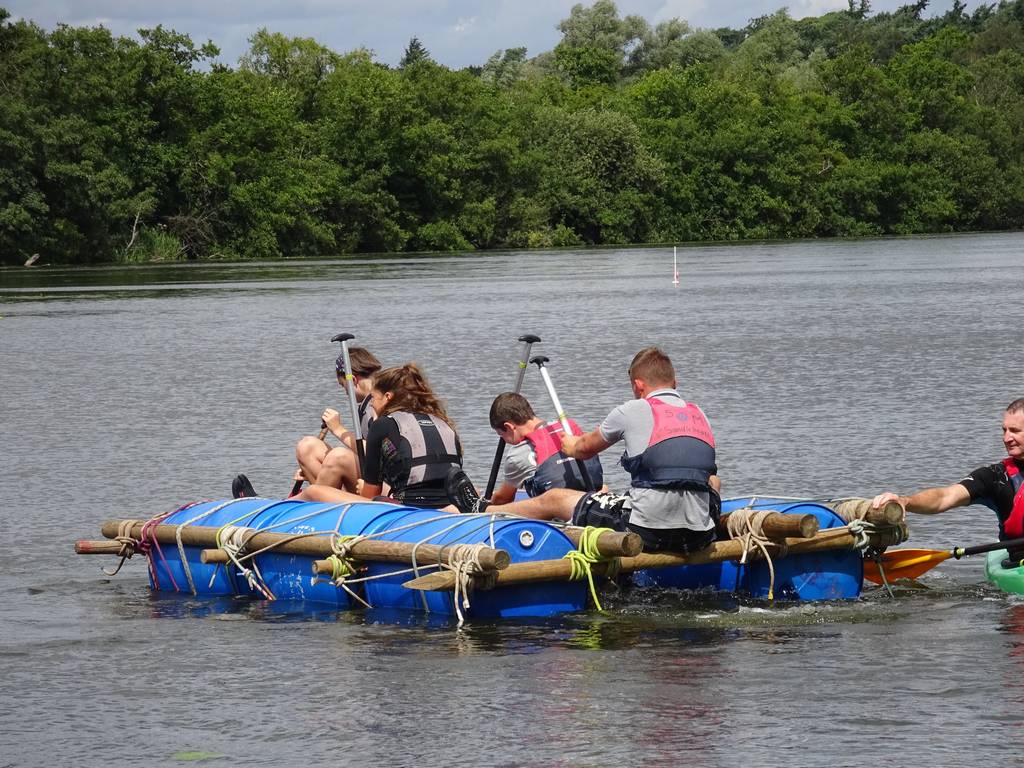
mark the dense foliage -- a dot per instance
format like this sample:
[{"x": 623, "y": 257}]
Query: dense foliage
[{"x": 844, "y": 124}]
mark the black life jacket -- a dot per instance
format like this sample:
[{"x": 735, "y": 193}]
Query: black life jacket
[{"x": 425, "y": 453}]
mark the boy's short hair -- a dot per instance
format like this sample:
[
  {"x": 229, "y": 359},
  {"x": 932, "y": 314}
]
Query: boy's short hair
[
  {"x": 653, "y": 366},
  {"x": 510, "y": 406}
]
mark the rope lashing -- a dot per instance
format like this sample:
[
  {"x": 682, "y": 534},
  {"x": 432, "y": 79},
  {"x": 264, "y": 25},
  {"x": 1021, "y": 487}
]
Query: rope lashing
[
  {"x": 747, "y": 526},
  {"x": 342, "y": 563},
  {"x": 861, "y": 530},
  {"x": 129, "y": 545},
  {"x": 232, "y": 539},
  {"x": 585, "y": 556},
  {"x": 464, "y": 562}
]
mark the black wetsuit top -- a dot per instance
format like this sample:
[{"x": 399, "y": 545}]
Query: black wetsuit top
[
  {"x": 991, "y": 487},
  {"x": 385, "y": 464}
]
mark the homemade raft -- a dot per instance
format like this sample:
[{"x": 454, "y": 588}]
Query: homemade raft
[{"x": 380, "y": 555}]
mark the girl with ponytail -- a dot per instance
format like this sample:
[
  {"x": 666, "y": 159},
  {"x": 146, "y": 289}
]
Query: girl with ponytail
[{"x": 411, "y": 446}]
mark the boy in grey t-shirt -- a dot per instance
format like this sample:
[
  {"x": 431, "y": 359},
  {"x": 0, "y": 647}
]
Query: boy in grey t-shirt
[
  {"x": 673, "y": 500},
  {"x": 515, "y": 421}
]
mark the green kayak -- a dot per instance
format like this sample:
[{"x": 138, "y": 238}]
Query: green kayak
[{"x": 1007, "y": 579}]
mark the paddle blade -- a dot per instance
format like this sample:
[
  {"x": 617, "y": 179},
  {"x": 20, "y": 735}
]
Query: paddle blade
[
  {"x": 439, "y": 581},
  {"x": 904, "y": 564}
]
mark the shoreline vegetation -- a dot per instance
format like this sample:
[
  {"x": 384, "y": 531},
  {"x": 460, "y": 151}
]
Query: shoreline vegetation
[{"x": 848, "y": 124}]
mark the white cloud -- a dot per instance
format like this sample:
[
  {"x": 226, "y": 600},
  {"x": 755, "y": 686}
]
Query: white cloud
[{"x": 463, "y": 26}]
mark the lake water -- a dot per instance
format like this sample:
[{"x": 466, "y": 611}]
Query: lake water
[{"x": 826, "y": 368}]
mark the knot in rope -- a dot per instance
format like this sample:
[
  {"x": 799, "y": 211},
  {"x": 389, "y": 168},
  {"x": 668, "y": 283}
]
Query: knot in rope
[
  {"x": 861, "y": 531},
  {"x": 464, "y": 562},
  {"x": 341, "y": 569},
  {"x": 747, "y": 526},
  {"x": 129, "y": 544},
  {"x": 585, "y": 556},
  {"x": 232, "y": 539}
]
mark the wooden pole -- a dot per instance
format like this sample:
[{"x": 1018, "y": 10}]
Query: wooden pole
[
  {"x": 314, "y": 545},
  {"x": 732, "y": 549},
  {"x": 777, "y": 525},
  {"x": 609, "y": 543},
  {"x": 861, "y": 509},
  {"x": 104, "y": 547}
]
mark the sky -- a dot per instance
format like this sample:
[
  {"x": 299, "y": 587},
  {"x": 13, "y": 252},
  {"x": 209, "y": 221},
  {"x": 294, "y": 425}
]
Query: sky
[{"x": 457, "y": 33}]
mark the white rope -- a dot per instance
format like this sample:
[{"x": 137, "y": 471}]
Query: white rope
[{"x": 747, "y": 526}]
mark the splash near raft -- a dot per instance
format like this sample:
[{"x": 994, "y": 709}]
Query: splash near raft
[
  {"x": 380, "y": 555},
  {"x": 833, "y": 574}
]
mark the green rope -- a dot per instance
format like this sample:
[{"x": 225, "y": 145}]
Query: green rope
[
  {"x": 341, "y": 564},
  {"x": 585, "y": 555},
  {"x": 341, "y": 567}
]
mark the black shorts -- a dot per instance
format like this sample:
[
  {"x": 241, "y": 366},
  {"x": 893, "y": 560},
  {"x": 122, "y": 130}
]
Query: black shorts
[{"x": 609, "y": 510}]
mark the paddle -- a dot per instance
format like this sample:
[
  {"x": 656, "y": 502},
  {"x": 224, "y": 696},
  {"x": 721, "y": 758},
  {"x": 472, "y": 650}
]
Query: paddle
[
  {"x": 528, "y": 341},
  {"x": 300, "y": 479},
  {"x": 539, "y": 362},
  {"x": 350, "y": 385},
  {"x": 911, "y": 563}
]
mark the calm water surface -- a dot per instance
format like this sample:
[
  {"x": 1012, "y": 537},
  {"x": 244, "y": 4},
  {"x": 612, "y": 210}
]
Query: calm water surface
[{"x": 827, "y": 369}]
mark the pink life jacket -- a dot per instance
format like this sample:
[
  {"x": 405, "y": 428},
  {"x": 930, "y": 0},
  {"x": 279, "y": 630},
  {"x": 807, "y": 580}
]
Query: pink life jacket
[
  {"x": 554, "y": 468},
  {"x": 680, "y": 452}
]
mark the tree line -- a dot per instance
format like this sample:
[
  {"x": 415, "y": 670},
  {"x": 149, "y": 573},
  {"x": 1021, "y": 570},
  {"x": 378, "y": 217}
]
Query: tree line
[{"x": 848, "y": 124}]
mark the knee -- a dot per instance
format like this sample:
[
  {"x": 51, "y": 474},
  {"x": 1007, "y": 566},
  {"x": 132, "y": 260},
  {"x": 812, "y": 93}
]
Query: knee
[
  {"x": 339, "y": 458},
  {"x": 309, "y": 445}
]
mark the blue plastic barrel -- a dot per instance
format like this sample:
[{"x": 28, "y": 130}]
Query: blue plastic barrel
[
  {"x": 831, "y": 575},
  {"x": 290, "y": 577}
]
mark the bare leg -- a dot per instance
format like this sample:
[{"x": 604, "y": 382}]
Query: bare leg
[
  {"x": 326, "y": 493},
  {"x": 556, "y": 504},
  {"x": 340, "y": 469},
  {"x": 311, "y": 452}
]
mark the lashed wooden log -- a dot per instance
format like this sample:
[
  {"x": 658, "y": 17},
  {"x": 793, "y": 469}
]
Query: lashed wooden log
[
  {"x": 861, "y": 509},
  {"x": 314, "y": 545},
  {"x": 609, "y": 543},
  {"x": 732, "y": 549},
  {"x": 777, "y": 525}
]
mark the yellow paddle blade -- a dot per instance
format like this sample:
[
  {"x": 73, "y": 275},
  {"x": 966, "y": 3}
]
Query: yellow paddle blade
[{"x": 904, "y": 563}]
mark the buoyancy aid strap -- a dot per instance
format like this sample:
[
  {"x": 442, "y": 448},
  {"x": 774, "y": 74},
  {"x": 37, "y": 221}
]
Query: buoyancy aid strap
[{"x": 1014, "y": 525}]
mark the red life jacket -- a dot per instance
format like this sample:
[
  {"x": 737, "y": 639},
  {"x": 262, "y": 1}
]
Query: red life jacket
[
  {"x": 554, "y": 468},
  {"x": 1014, "y": 525}
]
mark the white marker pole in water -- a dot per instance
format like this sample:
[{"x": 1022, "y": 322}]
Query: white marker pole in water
[{"x": 675, "y": 267}]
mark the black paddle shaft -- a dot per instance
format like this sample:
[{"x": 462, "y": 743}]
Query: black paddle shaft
[
  {"x": 528, "y": 340},
  {"x": 959, "y": 552}
]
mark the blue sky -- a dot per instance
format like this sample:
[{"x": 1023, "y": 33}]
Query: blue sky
[{"x": 457, "y": 33}]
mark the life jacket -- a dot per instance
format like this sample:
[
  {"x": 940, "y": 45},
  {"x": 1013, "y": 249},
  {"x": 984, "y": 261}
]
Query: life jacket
[
  {"x": 680, "y": 452},
  {"x": 366, "y": 415},
  {"x": 426, "y": 451},
  {"x": 1013, "y": 526},
  {"x": 554, "y": 468}
]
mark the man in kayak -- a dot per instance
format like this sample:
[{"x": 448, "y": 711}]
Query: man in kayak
[
  {"x": 535, "y": 461},
  {"x": 673, "y": 502},
  {"x": 997, "y": 486}
]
